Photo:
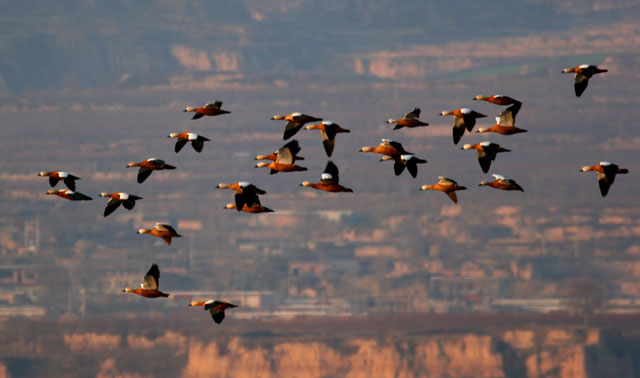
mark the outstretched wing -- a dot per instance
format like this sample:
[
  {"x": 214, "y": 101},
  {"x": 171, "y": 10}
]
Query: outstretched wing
[
  {"x": 214, "y": 105},
  {"x": 218, "y": 316},
  {"x": 143, "y": 174},
  {"x": 604, "y": 184},
  {"x": 458, "y": 129},
  {"x": 332, "y": 169},
  {"x": 580, "y": 83},
  {"x": 328, "y": 142},
  {"x": 294, "y": 147},
  {"x": 179, "y": 144},
  {"x": 507, "y": 117},
  {"x": 112, "y": 205},
  {"x": 53, "y": 181},
  {"x": 166, "y": 228},
  {"x": 151, "y": 280},
  {"x": 290, "y": 129},
  {"x": 197, "y": 145},
  {"x": 414, "y": 114},
  {"x": 285, "y": 156},
  {"x": 197, "y": 116},
  {"x": 453, "y": 196},
  {"x": 70, "y": 182}
]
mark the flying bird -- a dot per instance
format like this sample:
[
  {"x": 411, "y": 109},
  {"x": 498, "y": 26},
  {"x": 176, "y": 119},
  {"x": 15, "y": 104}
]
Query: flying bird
[
  {"x": 497, "y": 99},
  {"x": 56, "y": 176},
  {"x": 504, "y": 125},
  {"x": 329, "y": 180},
  {"x": 294, "y": 122},
  {"x": 216, "y": 308},
  {"x": 606, "y": 174},
  {"x": 69, "y": 195},
  {"x": 407, "y": 160},
  {"x": 446, "y": 186},
  {"x": 462, "y": 118},
  {"x": 293, "y": 146},
  {"x": 248, "y": 202},
  {"x": 241, "y": 186},
  {"x": 502, "y": 183},
  {"x": 387, "y": 147},
  {"x": 487, "y": 152},
  {"x": 410, "y": 120},
  {"x": 328, "y": 131},
  {"x": 119, "y": 198},
  {"x": 197, "y": 141},
  {"x": 210, "y": 109},
  {"x": 284, "y": 161},
  {"x": 149, "y": 286},
  {"x": 160, "y": 230},
  {"x": 146, "y": 167},
  {"x": 582, "y": 75}
]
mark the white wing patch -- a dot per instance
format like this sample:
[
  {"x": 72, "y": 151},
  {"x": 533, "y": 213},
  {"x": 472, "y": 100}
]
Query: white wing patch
[
  {"x": 124, "y": 196},
  {"x": 327, "y": 122},
  {"x": 296, "y": 114},
  {"x": 406, "y": 157},
  {"x": 243, "y": 184},
  {"x": 485, "y": 143},
  {"x": 500, "y": 177},
  {"x": 326, "y": 176},
  {"x": 605, "y": 163},
  {"x": 63, "y": 174}
]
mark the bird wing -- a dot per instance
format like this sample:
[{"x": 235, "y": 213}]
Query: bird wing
[
  {"x": 414, "y": 114},
  {"x": 239, "y": 199},
  {"x": 218, "y": 316},
  {"x": 485, "y": 162},
  {"x": 129, "y": 203},
  {"x": 445, "y": 181},
  {"x": 214, "y": 105},
  {"x": 197, "y": 145},
  {"x": 398, "y": 166},
  {"x": 70, "y": 182},
  {"x": 151, "y": 280},
  {"x": 143, "y": 174},
  {"x": 285, "y": 156},
  {"x": 251, "y": 199},
  {"x": 197, "y": 116},
  {"x": 112, "y": 205},
  {"x": 328, "y": 142},
  {"x": 469, "y": 121},
  {"x": 53, "y": 181},
  {"x": 332, "y": 169},
  {"x": 580, "y": 83},
  {"x": 507, "y": 117},
  {"x": 179, "y": 144},
  {"x": 453, "y": 196},
  {"x": 604, "y": 184},
  {"x": 412, "y": 167},
  {"x": 166, "y": 228},
  {"x": 396, "y": 145},
  {"x": 290, "y": 129},
  {"x": 610, "y": 173},
  {"x": 458, "y": 129}
]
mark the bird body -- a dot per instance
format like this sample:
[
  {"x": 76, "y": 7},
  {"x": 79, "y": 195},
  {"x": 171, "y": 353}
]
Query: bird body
[
  {"x": 215, "y": 307},
  {"x": 387, "y": 147},
  {"x": 409, "y": 120},
  {"x": 497, "y": 99},
  {"x": 502, "y": 183},
  {"x": 210, "y": 109},
  {"x": 487, "y": 152},
  {"x": 285, "y": 157},
  {"x": 294, "y": 122},
  {"x": 328, "y": 131},
  {"x": 409, "y": 161},
  {"x": 197, "y": 141},
  {"x": 447, "y": 186},
  {"x": 606, "y": 174},
  {"x": 163, "y": 231},
  {"x": 329, "y": 181},
  {"x": 582, "y": 75},
  {"x": 463, "y": 118},
  {"x": 146, "y": 167},
  {"x": 56, "y": 176},
  {"x": 150, "y": 284},
  {"x": 116, "y": 199},
  {"x": 69, "y": 195}
]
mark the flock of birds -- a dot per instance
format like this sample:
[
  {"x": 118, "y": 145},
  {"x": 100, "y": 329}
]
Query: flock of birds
[{"x": 246, "y": 195}]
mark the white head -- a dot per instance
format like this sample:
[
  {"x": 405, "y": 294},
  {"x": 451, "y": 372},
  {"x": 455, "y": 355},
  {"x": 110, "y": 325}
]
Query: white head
[
  {"x": 43, "y": 173},
  {"x": 174, "y": 135},
  {"x": 262, "y": 164},
  {"x": 467, "y": 147},
  {"x": 189, "y": 109},
  {"x": 104, "y": 194}
]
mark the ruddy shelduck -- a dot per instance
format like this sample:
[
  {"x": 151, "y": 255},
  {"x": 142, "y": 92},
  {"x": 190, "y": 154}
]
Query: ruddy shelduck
[
  {"x": 487, "y": 152},
  {"x": 407, "y": 160},
  {"x": 329, "y": 180},
  {"x": 146, "y": 167},
  {"x": 248, "y": 202},
  {"x": 163, "y": 231},
  {"x": 284, "y": 162},
  {"x": 66, "y": 177},
  {"x": 69, "y": 195},
  {"x": 293, "y": 146},
  {"x": 241, "y": 186},
  {"x": 462, "y": 118},
  {"x": 216, "y": 308},
  {"x": 582, "y": 75},
  {"x": 446, "y": 186},
  {"x": 387, "y": 147},
  {"x": 410, "y": 120},
  {"x": 606, "y": 174},
  {"x": 294, "y": 122},
  {"x": 197, "y": 141},
  {"x": 247, "y": 195},
  {"x": 497, "y": 99},
  {"x": 504, "y": 125},
  {"x": 116, "y": 199},
  {"x": 328, "y": 130},
  {"x": 149, "y": 286},
  {"x": 210, "y": 109},
  {"x": 502, "y": 183},
  {"x": 507, "y": 116}
]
